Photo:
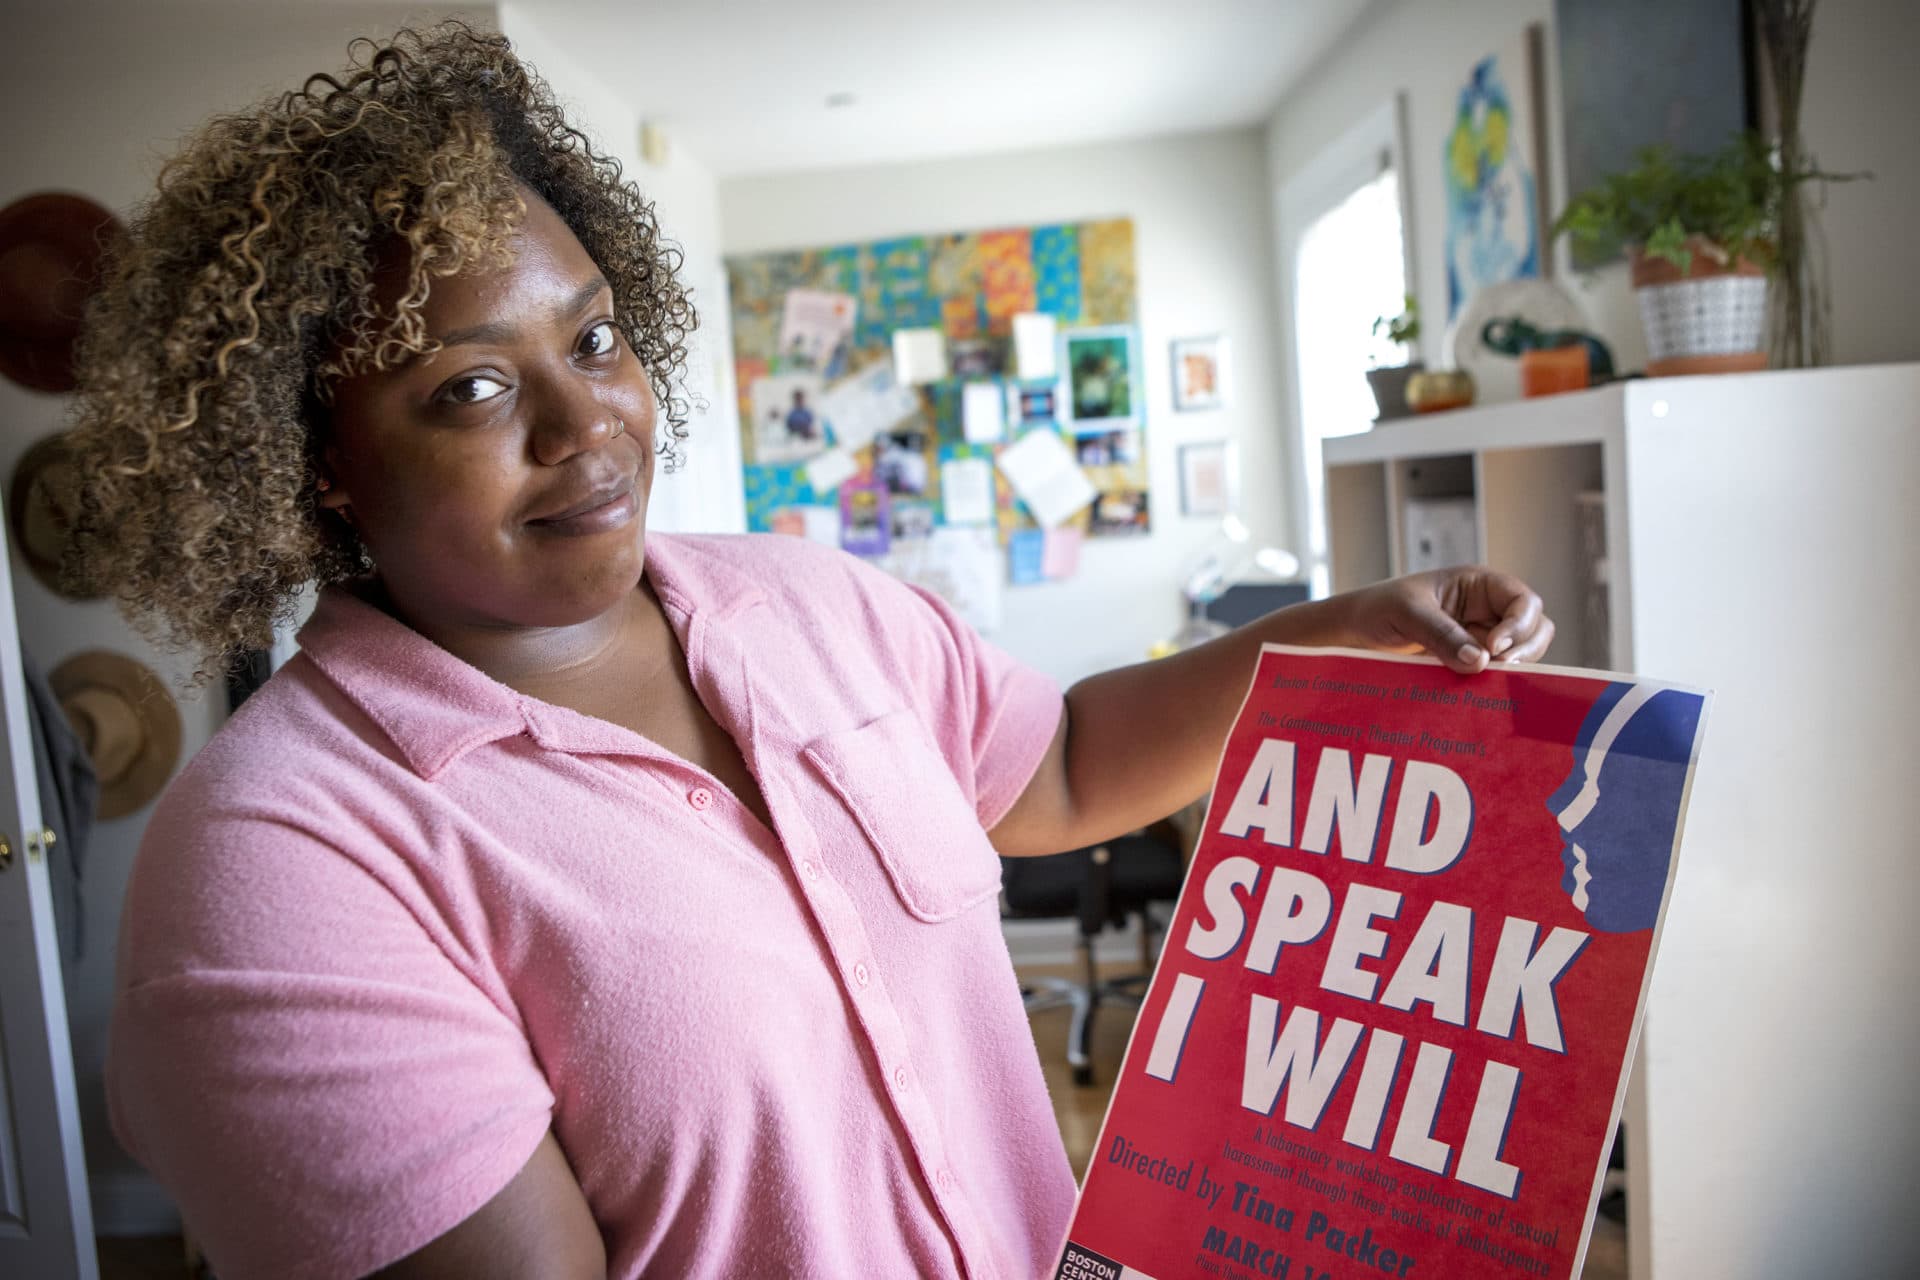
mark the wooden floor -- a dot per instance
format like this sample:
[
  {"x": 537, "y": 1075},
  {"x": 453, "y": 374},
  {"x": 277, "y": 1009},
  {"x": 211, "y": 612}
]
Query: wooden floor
[{"x": 1079, "y": 1111}]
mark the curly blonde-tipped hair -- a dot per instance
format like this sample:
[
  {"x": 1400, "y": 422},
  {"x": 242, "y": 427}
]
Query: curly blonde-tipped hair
[{"x": 246, "y": 289}]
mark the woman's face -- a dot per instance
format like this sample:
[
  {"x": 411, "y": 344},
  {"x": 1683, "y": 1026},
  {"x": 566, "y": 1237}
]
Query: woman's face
[{"x": 502, "y": 481}]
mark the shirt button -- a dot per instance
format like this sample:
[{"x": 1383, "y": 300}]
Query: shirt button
[
  {"x": 812, "y": 869},
  {"x": 860, "y": 974},
  {"x": 945, "y": 1180},
  {"x": 700, "y": 798},
  {"x": 900, "y": 1077}
]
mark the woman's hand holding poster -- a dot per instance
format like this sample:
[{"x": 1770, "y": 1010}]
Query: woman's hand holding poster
[{"x": 1390, "y": 1030}]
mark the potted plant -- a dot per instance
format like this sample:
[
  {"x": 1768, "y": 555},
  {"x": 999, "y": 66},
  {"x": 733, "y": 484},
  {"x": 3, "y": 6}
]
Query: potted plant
[
  {"x": 1389, "y": 382},
  {"x": 1699, "y": 232}
]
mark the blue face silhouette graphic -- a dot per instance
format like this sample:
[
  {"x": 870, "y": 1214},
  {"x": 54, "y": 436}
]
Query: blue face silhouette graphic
[{"x": 1619, "y": 806}]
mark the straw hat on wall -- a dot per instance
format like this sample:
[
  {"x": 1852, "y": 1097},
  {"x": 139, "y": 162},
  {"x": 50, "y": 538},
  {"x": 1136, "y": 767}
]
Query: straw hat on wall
[
  {"x": 126, "y": 720},
  {"x": 40, "y": 505}
]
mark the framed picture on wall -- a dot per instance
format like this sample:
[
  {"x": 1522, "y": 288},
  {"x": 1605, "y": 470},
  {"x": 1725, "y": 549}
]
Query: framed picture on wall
[
  {"x": 1199, "y": 372},
  {"x": 1101, "y": 371},
  {"x": 1206, "y": 478},
  {"x": 1495, "y": 170}
]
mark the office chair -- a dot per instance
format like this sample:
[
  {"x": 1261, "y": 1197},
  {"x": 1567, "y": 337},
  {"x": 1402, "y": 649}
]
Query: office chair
[{"x": 1104, "y": 884}]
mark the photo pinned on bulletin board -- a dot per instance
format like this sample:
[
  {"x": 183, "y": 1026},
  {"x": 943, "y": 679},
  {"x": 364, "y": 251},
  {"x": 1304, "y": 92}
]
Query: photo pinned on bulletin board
[
  {"x": 911, "y": 518},
  {"x": 787, "y": 425},
  {"x": 1039, "y": 404},
  {"x": 979, "y": 358},
  {"x": 1120, "y": 512},
  {"x": 905, "y": 462},
  {"x": 1108, "y": 449},
  {"x": 816, "y": 332},
  {"x": 1115, "y": 464},
  {"x": 1102, "y": 374},
  {"x": 866, "y": 518}
]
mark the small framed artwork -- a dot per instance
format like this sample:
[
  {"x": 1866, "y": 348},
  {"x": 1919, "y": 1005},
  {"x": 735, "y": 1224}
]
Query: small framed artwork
[
  {"x": 1199, "y": 372},
  {"x": 1206, "y": 478},
  {"x": 1101, "y": 371}
]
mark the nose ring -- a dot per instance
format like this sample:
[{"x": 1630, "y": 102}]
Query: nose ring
[{"x": 619, "y": 429}]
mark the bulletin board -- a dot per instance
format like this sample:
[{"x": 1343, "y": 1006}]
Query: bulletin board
[{"x": 844, "y": 444}]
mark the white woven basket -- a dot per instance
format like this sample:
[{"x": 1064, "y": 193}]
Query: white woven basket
[{"x": 1714, "y": 316}]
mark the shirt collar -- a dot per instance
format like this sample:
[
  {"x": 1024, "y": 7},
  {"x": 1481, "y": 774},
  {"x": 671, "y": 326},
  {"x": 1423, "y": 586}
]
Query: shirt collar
[{"x": 435, "y": 707}]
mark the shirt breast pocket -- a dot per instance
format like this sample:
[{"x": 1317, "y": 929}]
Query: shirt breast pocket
[{"x": 911, "y": 809}]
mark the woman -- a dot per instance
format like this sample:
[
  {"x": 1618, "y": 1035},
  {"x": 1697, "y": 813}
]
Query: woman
[{"x": 579, "y": 901}]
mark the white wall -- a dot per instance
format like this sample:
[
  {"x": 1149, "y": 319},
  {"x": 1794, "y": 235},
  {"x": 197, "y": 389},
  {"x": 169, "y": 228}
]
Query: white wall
[
  {"x": 1199, "y": 207},
  {"x": 705, "y": 494},
  {"x": 1862, "y": 98},
  {"x": 1859, "y": 94},
  {"x": 164, "y": 75}
]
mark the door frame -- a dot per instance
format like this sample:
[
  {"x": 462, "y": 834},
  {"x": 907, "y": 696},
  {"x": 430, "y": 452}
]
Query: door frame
[{"x": 46, "y": 1214}]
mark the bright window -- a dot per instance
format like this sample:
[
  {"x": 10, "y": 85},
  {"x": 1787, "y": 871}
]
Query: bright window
[
  {"x": 1343, "y": 258},
  {"x": 1350, "y": 269}
]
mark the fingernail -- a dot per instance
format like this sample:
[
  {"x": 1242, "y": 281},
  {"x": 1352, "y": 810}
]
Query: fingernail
[
  {"x": 1469, "y": 653},
  {"x": 1501, "y": 645}
]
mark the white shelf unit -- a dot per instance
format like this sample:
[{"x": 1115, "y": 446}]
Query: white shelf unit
[{"x": 1763, "y": 540}]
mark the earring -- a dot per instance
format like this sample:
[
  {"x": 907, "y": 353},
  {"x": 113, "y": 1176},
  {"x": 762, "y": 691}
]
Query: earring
[{"x": 323, "y": 484}]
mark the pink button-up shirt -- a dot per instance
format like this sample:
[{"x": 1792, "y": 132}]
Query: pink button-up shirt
[{"x": 397, "y": 920}]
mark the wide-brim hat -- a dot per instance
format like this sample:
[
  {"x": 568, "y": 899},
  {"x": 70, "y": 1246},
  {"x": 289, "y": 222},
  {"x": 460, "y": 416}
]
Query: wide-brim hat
[
  {"x": 52, "y": 246},
  {"x": 40, "y": 506},
  {"x": 127, "y": 722}
]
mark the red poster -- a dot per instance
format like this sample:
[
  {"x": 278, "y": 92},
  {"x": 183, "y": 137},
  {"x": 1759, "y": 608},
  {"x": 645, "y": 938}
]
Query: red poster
[{"x": 1390, "y": 1028}]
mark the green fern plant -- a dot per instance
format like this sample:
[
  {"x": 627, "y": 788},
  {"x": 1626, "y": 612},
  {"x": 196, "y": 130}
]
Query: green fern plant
[{"x": 1730, "y": 198}]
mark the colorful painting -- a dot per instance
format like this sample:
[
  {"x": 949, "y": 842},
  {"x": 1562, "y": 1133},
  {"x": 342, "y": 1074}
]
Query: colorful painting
[{"x": 1493, "y": 174}]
